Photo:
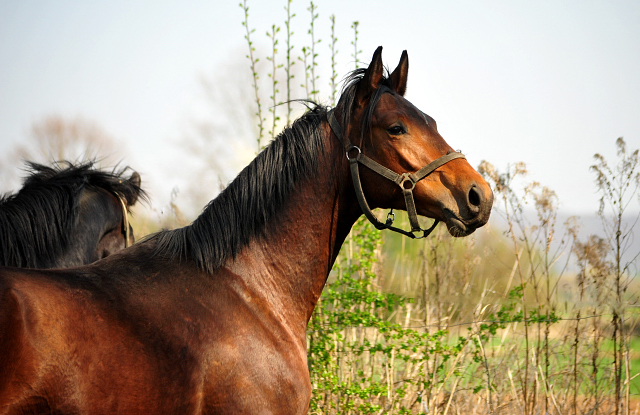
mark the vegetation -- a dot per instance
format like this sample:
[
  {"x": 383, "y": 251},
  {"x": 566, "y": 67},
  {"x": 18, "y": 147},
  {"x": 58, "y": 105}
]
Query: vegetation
[{"x": 459, "y": 334}]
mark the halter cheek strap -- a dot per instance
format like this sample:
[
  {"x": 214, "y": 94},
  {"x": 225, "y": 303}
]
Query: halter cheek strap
[
  {"x": 406, "y": 181},
  {"x": 125, "y": 219}
]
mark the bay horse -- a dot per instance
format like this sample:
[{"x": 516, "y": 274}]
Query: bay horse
[
  {"x": 67, "y": 215},
  {"x": 211, "y": 318}
]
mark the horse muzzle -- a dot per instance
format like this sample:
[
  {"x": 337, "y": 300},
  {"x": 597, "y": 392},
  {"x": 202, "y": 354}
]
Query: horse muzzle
[{"x": 477, "y": 209}]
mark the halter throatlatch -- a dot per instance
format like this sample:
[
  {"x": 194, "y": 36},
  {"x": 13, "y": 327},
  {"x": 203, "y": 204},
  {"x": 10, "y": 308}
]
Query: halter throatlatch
[{"x": 406, "y": 181}]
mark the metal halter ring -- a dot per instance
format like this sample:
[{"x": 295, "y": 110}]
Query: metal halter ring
[
  {"x": 406, "y": 177},
  {"x": 351, "y": 148}
]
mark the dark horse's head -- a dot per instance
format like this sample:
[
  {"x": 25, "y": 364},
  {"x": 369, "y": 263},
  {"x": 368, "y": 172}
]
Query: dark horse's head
[
  {"x": 395, "y": 134},
  {"x": 67, "y": 215}
]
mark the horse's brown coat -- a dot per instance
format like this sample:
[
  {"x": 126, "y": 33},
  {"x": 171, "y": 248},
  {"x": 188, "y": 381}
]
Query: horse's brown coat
[{"x": 147, "y": 332}]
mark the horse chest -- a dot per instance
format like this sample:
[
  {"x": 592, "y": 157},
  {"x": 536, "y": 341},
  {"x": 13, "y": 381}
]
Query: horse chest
[{"x": 269, "y": 382}]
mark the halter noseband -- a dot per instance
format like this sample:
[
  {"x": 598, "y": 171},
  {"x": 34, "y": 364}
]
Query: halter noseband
[{"x": 406, "y": 181}]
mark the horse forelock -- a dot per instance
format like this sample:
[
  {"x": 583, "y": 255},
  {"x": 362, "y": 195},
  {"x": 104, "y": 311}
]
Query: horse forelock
[
  {"x": 245, "y": 208},
  {"x": 37, "y": 222},
  {"x": 349, "y": 95}
]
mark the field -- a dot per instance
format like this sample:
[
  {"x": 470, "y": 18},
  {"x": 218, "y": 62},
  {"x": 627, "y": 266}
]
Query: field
[{"x": 516, "y": 319}]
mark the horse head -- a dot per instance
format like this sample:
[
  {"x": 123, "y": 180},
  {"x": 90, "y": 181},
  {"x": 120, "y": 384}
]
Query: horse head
[
  {"x": 392, "y": 138},
  {"x": 112, "y": 204}
]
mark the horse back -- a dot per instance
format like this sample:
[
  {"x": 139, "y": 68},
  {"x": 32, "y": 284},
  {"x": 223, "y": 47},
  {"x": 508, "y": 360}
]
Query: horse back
[
  {"x": 63, "y": 351},
  {"x": 132, "y": 336}
]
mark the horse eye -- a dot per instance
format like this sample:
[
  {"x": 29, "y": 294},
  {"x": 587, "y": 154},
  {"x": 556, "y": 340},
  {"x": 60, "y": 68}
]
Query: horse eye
[{"x": 396, "y": 130}]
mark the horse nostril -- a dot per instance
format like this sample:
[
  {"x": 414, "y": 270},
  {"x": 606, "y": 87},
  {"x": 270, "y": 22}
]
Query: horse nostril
[{"x": 474, "y": 197}]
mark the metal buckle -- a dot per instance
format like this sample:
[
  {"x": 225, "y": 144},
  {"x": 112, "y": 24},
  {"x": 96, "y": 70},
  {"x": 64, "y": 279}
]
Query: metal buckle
[{"x": 390, "y": 218}]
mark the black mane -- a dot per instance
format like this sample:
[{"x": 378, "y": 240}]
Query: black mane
[
  {"x": 36, "y": 223},
  {"x": 243, "y": 209}
]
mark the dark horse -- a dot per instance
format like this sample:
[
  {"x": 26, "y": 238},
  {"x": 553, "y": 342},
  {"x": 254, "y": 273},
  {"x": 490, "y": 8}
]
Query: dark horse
[
  {"x": 66, "y": 215},
  {"x": 211, "y": 318}
]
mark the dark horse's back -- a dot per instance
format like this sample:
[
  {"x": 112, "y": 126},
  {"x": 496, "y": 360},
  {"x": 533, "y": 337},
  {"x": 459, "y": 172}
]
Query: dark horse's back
[{"x": 125, "y": 335}]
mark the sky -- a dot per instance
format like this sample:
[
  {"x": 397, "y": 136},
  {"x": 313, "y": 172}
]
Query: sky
[{"x": 549, "y": 83}]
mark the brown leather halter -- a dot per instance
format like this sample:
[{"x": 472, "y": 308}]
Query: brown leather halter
[
  {"x": 125, "y": 218},
  {"x": 406, "y": 181}
]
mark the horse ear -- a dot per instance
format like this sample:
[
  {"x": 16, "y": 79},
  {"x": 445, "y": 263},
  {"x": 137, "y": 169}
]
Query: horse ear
[
  {"x": 399, "y": 75},
  {"x": 135, "y": 181},
  {"x": 371, "y": 79}
]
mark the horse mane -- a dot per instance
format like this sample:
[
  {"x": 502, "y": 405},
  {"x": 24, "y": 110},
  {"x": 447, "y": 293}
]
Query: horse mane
[
  {"x": 37, "y": 222},
  {"x": 243, "y": 210}
]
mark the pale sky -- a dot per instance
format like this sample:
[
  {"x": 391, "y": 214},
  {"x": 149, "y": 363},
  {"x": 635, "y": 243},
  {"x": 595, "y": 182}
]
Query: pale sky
[{"x": 549, "y": 83}]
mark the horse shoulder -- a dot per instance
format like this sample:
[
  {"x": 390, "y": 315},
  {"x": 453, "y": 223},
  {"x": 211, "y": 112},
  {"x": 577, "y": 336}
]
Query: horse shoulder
[{"x": 276, "y": 378}]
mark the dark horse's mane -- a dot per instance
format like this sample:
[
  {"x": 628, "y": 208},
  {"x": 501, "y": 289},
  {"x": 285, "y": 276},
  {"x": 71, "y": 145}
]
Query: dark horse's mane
[
  {"x": 37, "y": 222},
  {"x": 244, "y": 209}
]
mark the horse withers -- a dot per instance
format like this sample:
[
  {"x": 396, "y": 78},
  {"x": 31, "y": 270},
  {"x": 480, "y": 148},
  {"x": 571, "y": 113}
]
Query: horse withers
[
  {"x": 211, "y": 318},
  {"x": 67, "y": 215}
]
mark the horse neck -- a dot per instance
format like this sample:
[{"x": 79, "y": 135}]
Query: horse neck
[{"x": 293, "y": 262}]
